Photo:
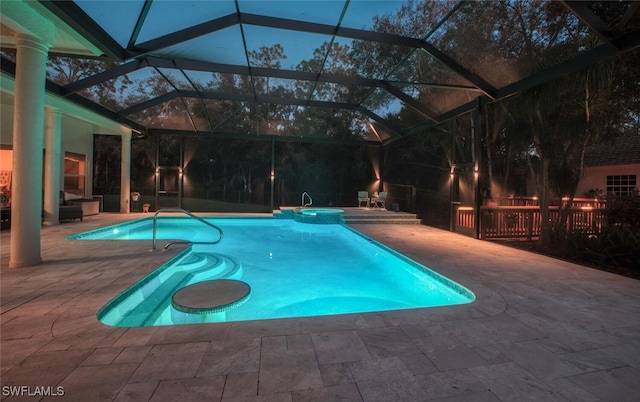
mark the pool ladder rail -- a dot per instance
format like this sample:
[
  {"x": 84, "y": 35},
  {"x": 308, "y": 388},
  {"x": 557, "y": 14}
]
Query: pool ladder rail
[
  {"x": 155, "y": 220},
  {"x": 310, "y": 200}
]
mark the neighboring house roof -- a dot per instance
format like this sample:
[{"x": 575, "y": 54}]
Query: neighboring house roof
[{"x": 622, "y": 150}]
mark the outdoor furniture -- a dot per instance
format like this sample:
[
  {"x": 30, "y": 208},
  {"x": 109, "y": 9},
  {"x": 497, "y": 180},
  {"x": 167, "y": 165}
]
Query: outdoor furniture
[
  {"x": 5, "y": 217},
  {"x": 88, "y": 206},
  {"x": 363, "y": 196},
  {"x": 68, "y": 212},
  {"x": 379, "y": 200}
]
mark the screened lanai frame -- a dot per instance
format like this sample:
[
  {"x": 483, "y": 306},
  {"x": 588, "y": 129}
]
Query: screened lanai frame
[{"x": 437, "y": 63}]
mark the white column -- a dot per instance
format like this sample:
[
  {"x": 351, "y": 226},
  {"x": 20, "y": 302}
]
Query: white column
[
  {"x": 52, "y": 162},
  {"x": 28, "y": 141},
  {"x": 125, "y": 174}
]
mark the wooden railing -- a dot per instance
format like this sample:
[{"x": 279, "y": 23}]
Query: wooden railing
[
  {"x": 464, "y": 217},
  {"x": 523, "y": 222},
  {"x": 533, "y": 202}
]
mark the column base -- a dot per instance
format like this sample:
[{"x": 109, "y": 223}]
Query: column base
[{"x": 22, "y": 264}]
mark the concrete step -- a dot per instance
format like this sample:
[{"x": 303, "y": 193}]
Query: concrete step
[
  {"x": 381, "y": 216},
  {"x": 383, "y": 221},
  {"x": 400, "y": 219}
]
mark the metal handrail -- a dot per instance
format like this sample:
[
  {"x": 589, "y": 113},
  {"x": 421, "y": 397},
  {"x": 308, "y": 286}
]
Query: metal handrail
[
  {"x": 310, "y": 200},
  {"x": 155, "y": 216}
]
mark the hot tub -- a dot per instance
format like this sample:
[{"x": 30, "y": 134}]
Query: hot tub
[
  {"x": 319, "y": 215},
  {"x": 320, "y": 211}
]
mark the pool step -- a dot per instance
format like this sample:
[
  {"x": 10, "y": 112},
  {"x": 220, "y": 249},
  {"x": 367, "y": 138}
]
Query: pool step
[
  {"x": 195, "y": 267},
  {"x": 364, "y": 216},
  {"x": 383, "y": 218},
  {"x": 195, "y": 260},
  {"x": 228, "y": 267}
]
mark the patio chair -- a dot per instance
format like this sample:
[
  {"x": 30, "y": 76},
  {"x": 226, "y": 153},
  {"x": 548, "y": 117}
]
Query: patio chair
[
  {"x": 363, "y": 196},
  {"x": 68, "y": 212},
  {"x": 380, "y": 200}
]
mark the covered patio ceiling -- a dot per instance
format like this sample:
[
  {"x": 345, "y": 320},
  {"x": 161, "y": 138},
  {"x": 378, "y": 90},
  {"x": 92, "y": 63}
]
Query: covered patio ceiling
[{"x": 336, "y": 71}]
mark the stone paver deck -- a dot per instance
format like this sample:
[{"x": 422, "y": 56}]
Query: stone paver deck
[{"x": 540, "y": 329}]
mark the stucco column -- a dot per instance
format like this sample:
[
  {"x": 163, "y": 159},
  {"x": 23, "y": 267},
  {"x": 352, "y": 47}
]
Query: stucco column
[
  {"x": 125, "y": 174},
  {"x": 52, "y": 162},
  {"x": 28, "y": 141}
]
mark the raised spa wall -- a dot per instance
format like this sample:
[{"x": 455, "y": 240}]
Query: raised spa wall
[{"x": 319, "y": 218}]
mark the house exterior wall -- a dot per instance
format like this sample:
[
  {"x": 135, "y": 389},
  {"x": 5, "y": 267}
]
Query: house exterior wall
[
  {"x": 6, "y": 123},
  {"x": 595, "y": 177},
  {"x": 77, "y": 137}
]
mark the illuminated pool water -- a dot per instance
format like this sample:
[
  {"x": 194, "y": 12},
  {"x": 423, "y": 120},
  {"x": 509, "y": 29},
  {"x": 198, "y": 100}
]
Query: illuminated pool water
[
  {"x": 293, "y": 269},
  {"x": 320, "y": 211}
]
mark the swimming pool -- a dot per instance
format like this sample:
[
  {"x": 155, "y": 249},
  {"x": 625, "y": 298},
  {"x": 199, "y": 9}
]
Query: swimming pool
[{"x": 293, "y": 270}]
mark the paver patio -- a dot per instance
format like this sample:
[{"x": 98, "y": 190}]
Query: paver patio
[{"x": 540, "y": 329}]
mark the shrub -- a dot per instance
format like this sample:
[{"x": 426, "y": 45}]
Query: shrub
[
  {"x": 617, "y": 245},
  {"x": 621, "y": 245},
  {"x": 624, "y": 211}
]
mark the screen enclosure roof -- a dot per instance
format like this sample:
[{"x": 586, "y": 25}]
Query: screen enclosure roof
[{"x": 307, "y": 70}]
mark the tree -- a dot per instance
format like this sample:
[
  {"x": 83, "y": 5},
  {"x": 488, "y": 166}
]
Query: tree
[
  {"x": 106, "y": 163},
  {"x": 331, "y": 58},
  {"x": 67, "y": 70}
]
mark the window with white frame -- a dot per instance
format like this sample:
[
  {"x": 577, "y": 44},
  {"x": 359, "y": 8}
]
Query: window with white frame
[{"x": 622, "y": 184}]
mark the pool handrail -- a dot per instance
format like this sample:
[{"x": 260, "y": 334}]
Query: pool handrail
[
  {"x": 310, "y": 200},
  {"x": 184, "y": 211}
]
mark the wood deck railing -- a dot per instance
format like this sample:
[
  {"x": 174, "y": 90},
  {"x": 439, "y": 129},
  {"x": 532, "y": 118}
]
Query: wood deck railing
[
  {"x": 533, "y": 202},
  {"x": 463, "y": 220},
  {"x": 523, "y": 222}
]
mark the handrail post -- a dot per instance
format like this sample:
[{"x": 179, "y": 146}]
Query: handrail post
[{"x": 154, "y": 229}]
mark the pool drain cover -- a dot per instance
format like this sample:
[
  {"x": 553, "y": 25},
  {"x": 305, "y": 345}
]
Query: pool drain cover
[{"x": 210, "y": 296}]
